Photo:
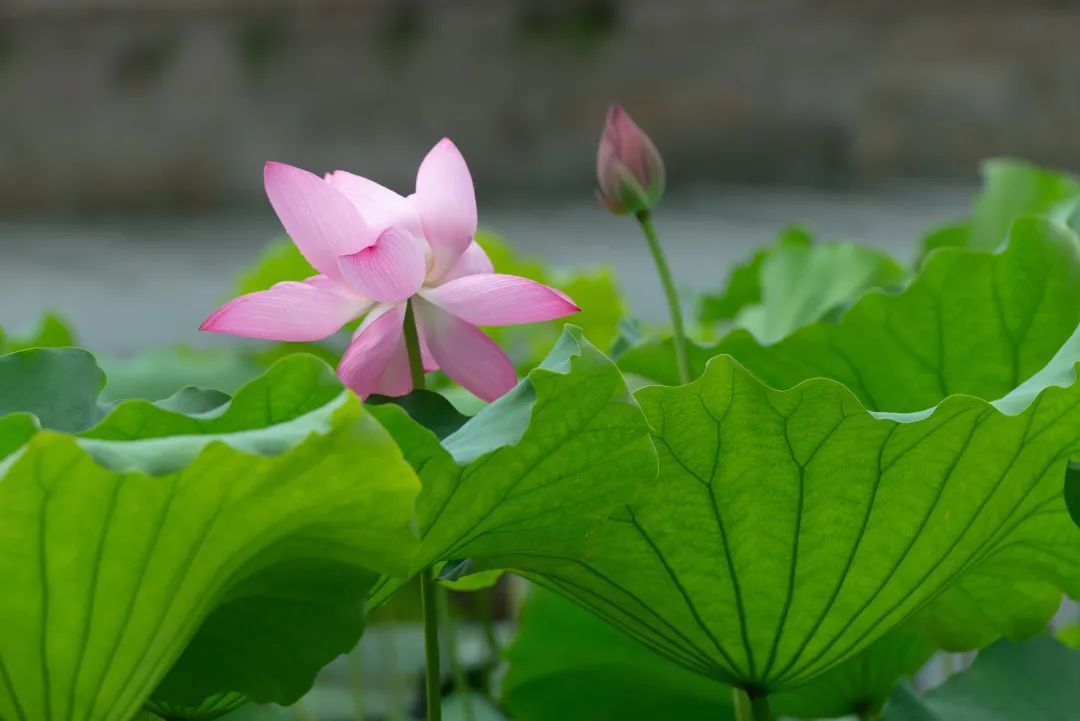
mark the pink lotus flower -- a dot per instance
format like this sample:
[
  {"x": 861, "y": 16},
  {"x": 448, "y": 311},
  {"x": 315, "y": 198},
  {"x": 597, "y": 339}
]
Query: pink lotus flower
[
  {"x": 629, "y": 169},
  {"x": 375, "y": 250}
]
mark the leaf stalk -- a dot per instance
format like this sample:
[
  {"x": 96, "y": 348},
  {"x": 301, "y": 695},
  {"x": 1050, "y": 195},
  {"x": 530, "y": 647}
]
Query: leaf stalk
[{"x": 678, "y": 331}]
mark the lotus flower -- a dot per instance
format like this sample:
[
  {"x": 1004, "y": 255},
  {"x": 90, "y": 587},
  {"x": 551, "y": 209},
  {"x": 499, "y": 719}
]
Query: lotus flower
[
  {"x": 375, "y": 251},
  {"x": 629, "y": 169}
]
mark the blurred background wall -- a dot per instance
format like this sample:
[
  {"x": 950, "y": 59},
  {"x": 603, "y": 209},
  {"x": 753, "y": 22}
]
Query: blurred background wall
[
  {"x": 133, "y": 132},
  {"x": 121, "y": 104}
]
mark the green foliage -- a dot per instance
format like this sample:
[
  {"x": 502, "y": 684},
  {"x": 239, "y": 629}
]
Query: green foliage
[
  {"x": 860, "y": 686},
  {"x": 743, "y": 286},
  {"x": 1011, "y": 188},
  {"x": 971, "y": 322},
  {"x": 767, "y": 552},
  {"x": 861, "y": 473},
  {"x": 59, "y": 386},
  {"x": 194, "y": 554},
  {"x": 160, "y": 372},
  {"x": 1034, "y": 681},
  {"x": 52, "y": 331},
  {"x": 796, "y": 282},
  {"x": 563, "y": 652},
  {"x": 567, "y": 664},
  {"x": 526, "y": 481}
]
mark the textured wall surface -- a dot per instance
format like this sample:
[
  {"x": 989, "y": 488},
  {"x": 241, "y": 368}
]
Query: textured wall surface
[{"x": 111, "y": 104}]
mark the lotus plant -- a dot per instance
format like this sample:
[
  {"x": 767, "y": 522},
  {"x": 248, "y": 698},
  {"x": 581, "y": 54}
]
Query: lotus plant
[{"x": 400, "y": 262}]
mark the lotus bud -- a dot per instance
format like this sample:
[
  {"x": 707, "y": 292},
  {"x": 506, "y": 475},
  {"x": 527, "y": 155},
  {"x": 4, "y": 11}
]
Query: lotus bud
[{"x": 629, "y": 168}]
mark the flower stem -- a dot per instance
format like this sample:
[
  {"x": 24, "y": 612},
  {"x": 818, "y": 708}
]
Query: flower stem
[
  {"x": 432, "y": 677},
  {"x": 677, "y": 331},
  {"x": 428, "y": 597},
  {"x": 412, "y": 345},
  {"x": 751, "y": 706}
]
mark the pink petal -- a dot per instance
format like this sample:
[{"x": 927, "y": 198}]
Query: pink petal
[
  {"x": 366, "y": 365},
  {"x": 465, "y": 354},
  {"x": 318, "y": 217},
  {"x": 289, "y": 311},
  {"x": 380, "y": 207},
  {"x": 497, "y": 299},
  {"x": 474, "y": 260},
  {"x": 447, "y": 204},
  {"x": 390, "y": 270},
  {"x": 425, "y": 353}
]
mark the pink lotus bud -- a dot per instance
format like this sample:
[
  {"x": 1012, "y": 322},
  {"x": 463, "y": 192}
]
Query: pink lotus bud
[{"x": 629, "y": 168}]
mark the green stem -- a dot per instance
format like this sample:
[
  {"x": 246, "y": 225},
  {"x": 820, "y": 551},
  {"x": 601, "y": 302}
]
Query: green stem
[
  {"x": 432, "y": 677},
  {"x": 677, "y": 329},
  {"x": 412, "y": 345},
  {"x": 751, "y": 706},
  {"x": 428, "y": 585}
]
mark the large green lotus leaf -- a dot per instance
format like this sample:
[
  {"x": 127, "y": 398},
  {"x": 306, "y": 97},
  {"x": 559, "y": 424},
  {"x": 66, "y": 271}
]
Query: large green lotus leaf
[
  {"x": 535, "y": 472},
  {"x": 236, "y": 553},
  {"x": 799, "y": 283},
  {"x": 566, "y": 663},
  {"x": 788, "y": 530},
  {"x": 971, "y": 322},
  {"x": 1033, "y": 681}
]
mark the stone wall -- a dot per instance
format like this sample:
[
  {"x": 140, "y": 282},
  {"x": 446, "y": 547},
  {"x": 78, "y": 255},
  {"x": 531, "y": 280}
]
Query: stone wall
[{"x": 111, "y": 104}]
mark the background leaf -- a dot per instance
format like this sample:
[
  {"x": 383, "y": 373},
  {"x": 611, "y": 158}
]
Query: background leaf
[
  {"x": 1012, "y": 188},
  {"x": 59, "y": 386},
  {"x": 52, "y": 331},
  {"x": 1034, "y": 681},
  {"x": 797, "y": 282},
  {"x": 567, "y": 664},
  {"x": 743, "y": 287},
  {"x": 971, "y": 322}
]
